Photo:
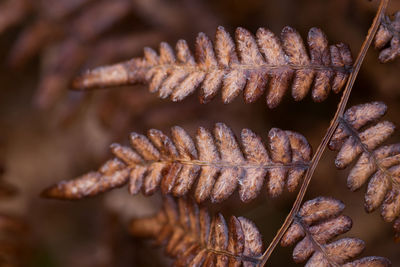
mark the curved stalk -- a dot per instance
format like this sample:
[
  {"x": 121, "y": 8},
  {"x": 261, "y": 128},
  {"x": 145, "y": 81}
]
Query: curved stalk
[{"x": 332, "y": 127}]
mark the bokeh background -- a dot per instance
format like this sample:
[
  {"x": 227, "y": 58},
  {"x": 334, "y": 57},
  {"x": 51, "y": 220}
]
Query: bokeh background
[{"x": 48, "y": 133}]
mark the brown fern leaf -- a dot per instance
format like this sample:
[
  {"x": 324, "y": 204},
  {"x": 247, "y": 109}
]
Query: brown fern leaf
[
  {"x": 193, "y": 239},
  {"x": 216, "y": 161},
  {"x": 247, "y": 65},
  {"x": 381, "y": 165},
  {"x": 318, "y": 222},
  {"x": 387, "y": 39}
]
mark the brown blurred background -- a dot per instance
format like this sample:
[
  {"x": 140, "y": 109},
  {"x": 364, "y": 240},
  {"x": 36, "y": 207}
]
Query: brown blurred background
[{"x": 49, "y": 133}]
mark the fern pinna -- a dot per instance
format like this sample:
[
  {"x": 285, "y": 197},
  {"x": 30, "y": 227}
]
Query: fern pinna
[
  {"x": 215, "y": 160},
  {"x": 319, "y": 221},
  {"x": 387, "y": 38},
  {"x": 193, "y": 239},
  {"x": 379, "y": 164},
  {"x": 213, "y": 165},
  {"x": 247, "y": 65}
]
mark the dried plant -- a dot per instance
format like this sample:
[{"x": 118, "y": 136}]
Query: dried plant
[
  {"x": 68, "y": 35},
  {"x": 387, "y": 38},
  {"x": 194, "y": 239},
  {"x": 248, "y": 66},
  {"x": 215, "y": 160},
  {"x": 214, "y": 165},
  {"x": 380, "y": 164},
  {"x": 319, "y": 221}
]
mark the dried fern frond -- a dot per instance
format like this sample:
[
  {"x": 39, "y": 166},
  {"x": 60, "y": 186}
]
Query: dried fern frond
[
  {"x": 215, "y": 160},
  {"x": 381, "y": 165},
  {"x": 387, "y": 39},
  {"x": 66, "y": 36},
  {"x": 317, "y": 223},
  {"x": 50, "y": 25},
  {"x": 246, "y": 64},
  {"x": 193, "y": 239}
]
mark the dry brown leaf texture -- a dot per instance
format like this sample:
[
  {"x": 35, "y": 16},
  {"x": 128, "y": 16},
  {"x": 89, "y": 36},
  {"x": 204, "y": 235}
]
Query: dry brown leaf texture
[
  {"x": 216, "y": 160},
  {"x": 192, "y": 238},
  {"x": 381, "y": 165},
  {"x": 317, "y": 223},
  {"x": 246, "y": 63},
  {"x": 213, "y": 164},
  {"x": 387, "y": 39}
]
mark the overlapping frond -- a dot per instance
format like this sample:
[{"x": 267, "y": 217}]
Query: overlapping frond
[
  {"x": 317, "y": 223},
  {"x": 193, "y": 239},
  {"x": 246, "y": 63},
  {"x": 216, "y": 161},
  {"x": 66, "y": 35},
  {"x": 381, "y": 165},
  {"x": 387, "y": 39}
]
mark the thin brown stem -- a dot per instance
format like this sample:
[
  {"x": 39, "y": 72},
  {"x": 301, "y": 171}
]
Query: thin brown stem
[{"x": 332, "y": 127}]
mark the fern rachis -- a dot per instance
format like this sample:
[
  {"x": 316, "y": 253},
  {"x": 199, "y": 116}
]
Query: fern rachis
[{"x": 216, "y": 164}]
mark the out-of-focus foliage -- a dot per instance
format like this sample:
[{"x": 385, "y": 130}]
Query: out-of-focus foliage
[{"x": 71, "y": 135}]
